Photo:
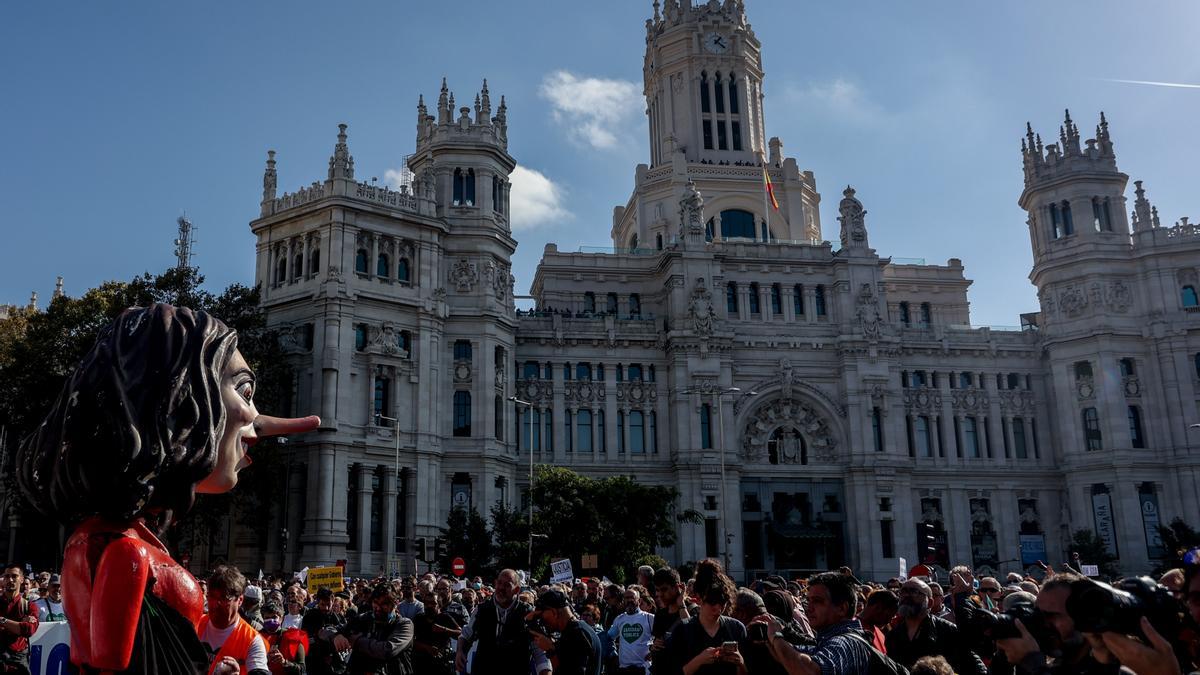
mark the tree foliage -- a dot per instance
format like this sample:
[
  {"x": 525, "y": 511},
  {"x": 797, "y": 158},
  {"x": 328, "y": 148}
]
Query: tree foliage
[
  {"x": 1092, "y": 551},
  {"x": 1178, "y": 538},
  {"x": 467, "y": 537}
]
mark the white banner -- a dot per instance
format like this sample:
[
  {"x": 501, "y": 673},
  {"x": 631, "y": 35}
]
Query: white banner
[
  {"x": 560, "y": 570},
  {"x": 50, "y": 649},
  {"x": 903, "y": 570}
]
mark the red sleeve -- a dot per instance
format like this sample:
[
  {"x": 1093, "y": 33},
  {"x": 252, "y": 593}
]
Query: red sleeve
[
  {"x": 29, "y": 622},
  {"x": 120, "y": 583}
]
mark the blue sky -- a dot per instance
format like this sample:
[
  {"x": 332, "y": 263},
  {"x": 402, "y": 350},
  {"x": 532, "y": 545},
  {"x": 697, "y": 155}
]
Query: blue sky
[{"x": 119, "y": 116}]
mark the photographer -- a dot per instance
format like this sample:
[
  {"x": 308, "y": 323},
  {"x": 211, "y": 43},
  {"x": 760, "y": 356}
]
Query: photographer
[
  {"x": 919, "y": 634},
  {"x": 841, "y": 647},
  {"x": 1068, "y": 649},
  {"x": 577, "y": 650}
]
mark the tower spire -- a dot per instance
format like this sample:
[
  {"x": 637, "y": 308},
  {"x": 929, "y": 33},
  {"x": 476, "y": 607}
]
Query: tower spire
[
  {"x": 58, "y": 289},
  {"x": 341, "y": 164},
  {"x": 444, "y": 104},
  {"x": 1145, "y": 216},
  {"x": 270, "y": 180},
  {"x": 486, "y": 105}
]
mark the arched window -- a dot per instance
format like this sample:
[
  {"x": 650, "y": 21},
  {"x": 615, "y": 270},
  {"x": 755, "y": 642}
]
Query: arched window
[
  {"x": 470, "y": 193},
  {"x": 589, "y": 302},
  {"x": 776, "y": 300},
  {"x": 1068, "y": 221},
  {"x": 704, "y": 101},
  {"x": 637, "y": 430},
  {"x": 819, "y": 300},
  {"x": 383, "y": 397},
  {"x": 798, "y": 299},
  {"x": 731, "y": 298},
  {"x": 706, "y": 426},
  {"x": 1188, "y": 296},
  {"x": 611, "y": 305},
  {"x": 402, "y": 270},
  {"x": 737, "y": 223},
  {"x": 360, "y": 261},
  {"x": 905, "y": 317},
  {"x": 383, "y": 266},
  {"x": 1135, "y": 427},
  {"x": 459, "y": 187},
  {"x": 314, "y": 261},
  {"x": 926, "y": 315},
  {"x": 1091, "y": 430},
  {"x": 635, "y": 305},
  {"x": 787, "y": 446},
  {"x": 755, "y": 308},
  {"x": 583, "y": 431},
  {"x": 733, "y": 99},
  {"x": 1101, "y": 214},
  {"x": 720, "y": 93},
  {"x": 281, "y": 270},
  {"x": 298, "y": 266},
  {"x": 462, "y": 413}
]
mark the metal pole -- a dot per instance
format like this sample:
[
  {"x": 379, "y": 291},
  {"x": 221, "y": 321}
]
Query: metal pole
[
  {"x": 395, "y": 430},
  {"x": 724, "y": 505},
  {"x": 529, "y": 426}
]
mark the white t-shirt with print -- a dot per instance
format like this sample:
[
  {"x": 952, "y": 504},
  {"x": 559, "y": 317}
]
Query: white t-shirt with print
[
  {"x": 214, "y": 638},
  {"x": 631, "y": 633}
]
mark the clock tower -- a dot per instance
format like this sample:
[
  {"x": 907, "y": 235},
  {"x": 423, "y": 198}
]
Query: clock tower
[{"x": 703, "y": 83}]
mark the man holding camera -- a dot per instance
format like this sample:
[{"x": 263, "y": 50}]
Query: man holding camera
[
  {"x": 1070, "y": 650},
  {"x": 577, "y": 650},
  {"x": 841, "y": 647},
  {"x": 919, "y": 634}
]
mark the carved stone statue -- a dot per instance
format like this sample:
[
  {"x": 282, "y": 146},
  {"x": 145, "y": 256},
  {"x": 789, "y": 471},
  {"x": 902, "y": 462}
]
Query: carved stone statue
[
  {"x": 691, "y": 211},
  {"x": 853, "y": 220},
  {"x": 787, "y": 378},
  {"x": 701, "y": 310},
  {"x": 868, "y": 313}
]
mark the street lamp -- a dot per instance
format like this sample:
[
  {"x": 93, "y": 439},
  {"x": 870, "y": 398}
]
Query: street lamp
[
  {"x": 719, "y": 394},
  {"x": 529, "y": 424},
  {"x": 396, "y": 431}
]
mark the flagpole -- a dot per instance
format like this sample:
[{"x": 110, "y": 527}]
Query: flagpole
[{"x": 766, "y": 205}]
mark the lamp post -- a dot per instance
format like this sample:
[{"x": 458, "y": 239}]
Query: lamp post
[
  {"x": 395, "y": 431},
  {"x": 719, "y": 394},
  {"x": 529, "y": 425}
]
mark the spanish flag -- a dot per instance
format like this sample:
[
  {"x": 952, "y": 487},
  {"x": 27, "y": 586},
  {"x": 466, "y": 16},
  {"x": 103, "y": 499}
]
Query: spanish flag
[{"x": 770, "y": 188}]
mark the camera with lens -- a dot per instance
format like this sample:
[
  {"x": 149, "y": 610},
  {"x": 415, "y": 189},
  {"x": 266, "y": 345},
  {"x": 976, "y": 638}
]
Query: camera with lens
[
  {"x": 1096, "y": 607},
  {"x": 535, "y": 625},
  {"x": 1002, "y": 625}
]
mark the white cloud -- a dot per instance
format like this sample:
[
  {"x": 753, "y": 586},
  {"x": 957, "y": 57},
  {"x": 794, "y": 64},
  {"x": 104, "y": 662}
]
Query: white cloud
[
  {"x": 535, "y": 199},
  {"x": 840, "y": 97},
  {"x": 394, "y": 178},
  {"x": 594, "y": 110}
]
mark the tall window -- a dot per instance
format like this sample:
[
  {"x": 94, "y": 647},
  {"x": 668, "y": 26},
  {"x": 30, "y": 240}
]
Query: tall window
[
  {"x": 637, "y": 430},
  {"x": 459, "y": 187},
  {"x": 1019, "y": 444},
  {"x": 298, "y": 266},
  {"x": 281, "y": 270},
  {"x": 634, "y": 372},
  {"x": 1135, "y": 427},
  {"x": 314, "y": 261},
  {"x": 360, "y": 336},
  {"x": 798, "y": 299},
  {"x": 733, "y": 99},
  {"x": 708, "y": 135},
  {"x": 887, "y": 542},
  {"x": 402, "y": 273},
  {"x": 1082, "y": 369},
  {"x": 635, "y": 305},
  {"x": 548, "y": 431},
  {"x": 470, "y": 187},
  {"x": 498, "y": 414},
  {"x": 1196, "y": 364},
  {"x": 706, "y": 426},
  {"x": 1091, "y": 430},
  {"x": 620, "y": 431},
  {"x": 754, "y": 306},
  {"x": 352, "y": 509},
  {"x": 720, "y": 97},
  {"x": 905, "y": 317},
  {"x": 462, "y": 413},
  {"x": 776, "y": 300},
  {"x": 1127, "y": 367},
  {"x": 705, "y": 105},
  {"x": 570, "y": 437},
  {"x": 737, "y": 134},
  {"x": 383, "y": 399},
  {"x": 611, "y": 306},
  {"x": 583, "y": 371},
  {"x": 653, "y": 431},
  {"x": 462, "y": 350},
  {"x": 601, "y": 431},
  {"x": 1188, "y": 296},
  {"x": 497, "y": 194},
  {"x": 383, "y": 266},
  {"x": 926, "y": 315},
  {"x": 589, "y": 302},
  {"x": 731, "y": 298},
  {"x": 737, "y": 223},
  {"x": 360, "y": 261},
  {"x": 924, "y": 446},
  {"x": 819, "y": 300},
  {"x": 970, "y": 433},
  {"x": 877, "y": 428},
  {"x": 1101, "y": 214},
  {"x": 583, "y": 430}
]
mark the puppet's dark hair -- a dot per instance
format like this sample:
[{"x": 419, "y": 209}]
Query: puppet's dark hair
[{"x": 137, "y": 424}]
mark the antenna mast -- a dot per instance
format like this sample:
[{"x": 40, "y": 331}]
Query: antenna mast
[{"x": 183, "y": 244}]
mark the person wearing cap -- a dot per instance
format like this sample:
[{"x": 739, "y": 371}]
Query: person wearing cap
[
  {"x": 577, "y": 650},
  {"x": 252, "y": 601},
  {"x": 50, "y": 606}
]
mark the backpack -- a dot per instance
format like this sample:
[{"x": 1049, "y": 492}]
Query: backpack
[{"x": 879, "y": 663}]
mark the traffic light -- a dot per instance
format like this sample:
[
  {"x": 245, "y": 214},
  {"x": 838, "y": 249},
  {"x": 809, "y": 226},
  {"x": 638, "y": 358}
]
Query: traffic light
[
  {"x": 422, "y": 549},
  {"x": 927, "y": 542},
  {"x": 440, "y": 549}
]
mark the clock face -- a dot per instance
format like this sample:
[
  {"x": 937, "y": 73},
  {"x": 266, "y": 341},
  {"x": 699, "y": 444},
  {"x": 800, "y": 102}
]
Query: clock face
[{"x": 716, "y": 43}]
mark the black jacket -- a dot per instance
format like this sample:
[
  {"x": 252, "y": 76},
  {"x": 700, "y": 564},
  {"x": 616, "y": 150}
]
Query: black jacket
[
  {"x": 935, "y": 637},
  {"x": 503, "y": 649},
  {"x": 381, "y": 647}
]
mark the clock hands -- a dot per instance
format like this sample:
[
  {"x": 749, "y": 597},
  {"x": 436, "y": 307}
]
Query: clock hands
[{"x": 719, "y": 41}]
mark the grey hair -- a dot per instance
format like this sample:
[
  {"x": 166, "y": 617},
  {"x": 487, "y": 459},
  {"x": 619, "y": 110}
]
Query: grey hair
[{"x": 750, "y": 602}]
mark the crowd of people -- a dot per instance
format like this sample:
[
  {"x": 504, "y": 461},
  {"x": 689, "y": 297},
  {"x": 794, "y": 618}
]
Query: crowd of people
[{"x": 662, "y": 624}]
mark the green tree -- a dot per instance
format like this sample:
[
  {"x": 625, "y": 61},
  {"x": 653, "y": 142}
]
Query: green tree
[
  {"x": 620, "y": 521},
  {"x": 510, "y": 535},
  {"x": 1177, "y": 538},
  {"x": 1092, "y": 551},
  {"x": 467, "y": 537}
]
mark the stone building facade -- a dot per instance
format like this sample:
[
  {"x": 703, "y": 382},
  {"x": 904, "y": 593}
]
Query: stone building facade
[{"x": 818, "y": 403}]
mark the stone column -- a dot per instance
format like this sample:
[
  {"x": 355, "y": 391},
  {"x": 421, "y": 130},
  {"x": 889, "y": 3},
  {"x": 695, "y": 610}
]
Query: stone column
[
  {"x": 373, "y": 263},
  {"x": 1010, "y": 440},
  {"x": 303, "y": 261},
  {"x": 810, "y": 304},
  {"x": 409, "y": 485},
  {"x": 727, "y": 118},
  {"x": 789, "y": 306},
  {"x": 363, "y": 471},
  {"x": 764, "y": 302}
]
